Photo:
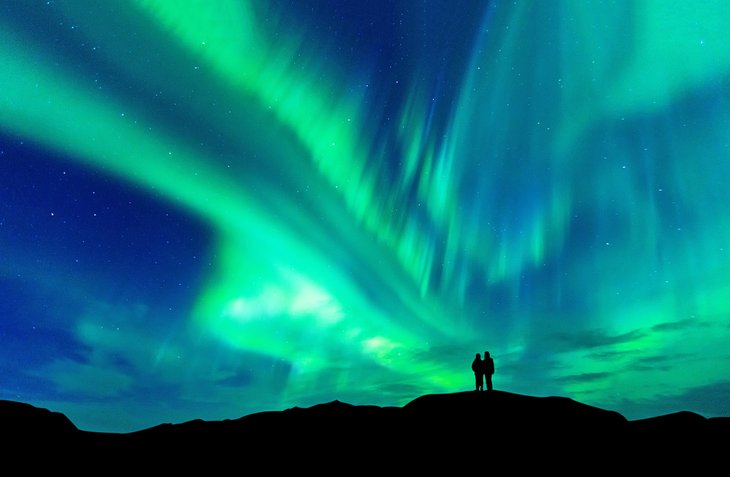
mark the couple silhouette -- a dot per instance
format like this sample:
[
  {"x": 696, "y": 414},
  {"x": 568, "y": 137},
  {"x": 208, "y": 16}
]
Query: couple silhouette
[{"x": 483, "y": 369}]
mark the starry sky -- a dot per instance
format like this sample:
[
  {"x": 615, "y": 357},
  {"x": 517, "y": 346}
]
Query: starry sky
[{"x": 215, "y": 208}]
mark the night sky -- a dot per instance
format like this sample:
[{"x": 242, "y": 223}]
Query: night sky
[{"x": 214, "y": 208}]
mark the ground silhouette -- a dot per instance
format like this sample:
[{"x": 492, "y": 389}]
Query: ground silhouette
[{"x": 462, "y": 430}]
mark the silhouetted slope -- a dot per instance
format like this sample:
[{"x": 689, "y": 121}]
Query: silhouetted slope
[
  {"x": 464, "y": 429},
  {"x": 509, "y": 421},
  {"x": 19, "y": 418}
]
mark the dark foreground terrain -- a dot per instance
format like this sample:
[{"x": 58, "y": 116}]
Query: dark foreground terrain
[{"x": 487, "y": 432}]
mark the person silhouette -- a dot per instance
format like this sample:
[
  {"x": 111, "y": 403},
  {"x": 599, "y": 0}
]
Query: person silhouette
[
  {"x": 488, "y": 369},
  {"x": 478, "y": 367}
]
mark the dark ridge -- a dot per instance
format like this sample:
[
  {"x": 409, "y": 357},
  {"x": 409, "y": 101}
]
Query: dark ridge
[
  {"x": 465, "y": 430},
  {"x": 19, "y": 418}
]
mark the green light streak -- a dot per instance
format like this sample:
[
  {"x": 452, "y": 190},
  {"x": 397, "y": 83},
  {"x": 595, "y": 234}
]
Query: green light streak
[{"x": 57, "y": 109}]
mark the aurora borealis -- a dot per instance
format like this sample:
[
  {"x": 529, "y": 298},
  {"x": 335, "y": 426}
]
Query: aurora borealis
[{"x": 213, "y": 208}]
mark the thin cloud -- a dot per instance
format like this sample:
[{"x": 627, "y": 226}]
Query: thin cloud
[
  {"x": 709, "y": 400},
  {"x": 445, "y": 351},
  {"x": 582, "y": 378},
  {"x": 657, "y": 362},
  {"x": 609, "y": 355},
  {"x": 675, "y": 325},
  {"x": 239, "y": 379},
  {"x": 589, "y": 339}
]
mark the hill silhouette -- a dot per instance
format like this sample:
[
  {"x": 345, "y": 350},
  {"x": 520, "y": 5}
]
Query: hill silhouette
[{"x": 463, "y": 430}]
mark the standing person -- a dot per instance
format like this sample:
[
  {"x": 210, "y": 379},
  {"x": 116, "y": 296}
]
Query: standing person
[
  {"x": 488, "y": 369},
  {"x": 478, "y": 367}
]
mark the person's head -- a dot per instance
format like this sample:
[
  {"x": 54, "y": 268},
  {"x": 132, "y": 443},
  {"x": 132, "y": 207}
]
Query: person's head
[
  {"x": 478, "y": 356},
  {"x": 486, "y": 354}
]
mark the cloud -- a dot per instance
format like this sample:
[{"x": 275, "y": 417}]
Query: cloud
[
  {"x": 588, "y": 339},
  {"x": 237, "y": 380},
  {"x": 87, "y": 379},
  {"x": 709, "y": 400},
  {"x": 445, "y": 351},
  {"x": 676, "y": 325},
  {"x": 609, "y": 355},
  {"x": 656, "y": 362},
  {"x": 582, "y": 378}
]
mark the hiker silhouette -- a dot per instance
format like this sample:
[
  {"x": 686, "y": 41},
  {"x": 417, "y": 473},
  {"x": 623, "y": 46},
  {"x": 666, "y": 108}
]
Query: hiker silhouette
[
  {"x": 478, "y": 367},
  {"x": 488, "y": 364}
]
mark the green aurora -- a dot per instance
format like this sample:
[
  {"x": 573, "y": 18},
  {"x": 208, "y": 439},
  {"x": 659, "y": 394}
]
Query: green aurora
[{"x": 543, "y": 180}]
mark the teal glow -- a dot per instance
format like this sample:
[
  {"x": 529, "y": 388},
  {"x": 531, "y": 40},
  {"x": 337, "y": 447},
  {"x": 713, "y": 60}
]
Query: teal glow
[{"x": 542, "y": 180}]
